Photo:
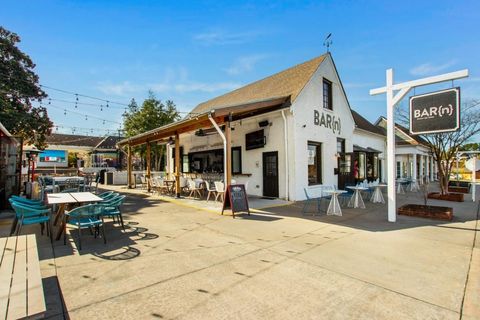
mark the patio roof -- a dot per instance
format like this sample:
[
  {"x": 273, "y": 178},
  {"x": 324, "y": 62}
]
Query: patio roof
[{"x": 201, "y": 120}]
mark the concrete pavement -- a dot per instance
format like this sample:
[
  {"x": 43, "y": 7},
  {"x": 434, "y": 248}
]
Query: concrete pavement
[{"x": 178, "y": 262}]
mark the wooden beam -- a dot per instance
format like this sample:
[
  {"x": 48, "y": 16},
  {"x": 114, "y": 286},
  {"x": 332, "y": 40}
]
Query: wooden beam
[
  {"x": 228, "y": 137},
  {"x": 149, "y": 184},
  {"x": 129, "y": 166},
  {"x": 177, "y": 164}
]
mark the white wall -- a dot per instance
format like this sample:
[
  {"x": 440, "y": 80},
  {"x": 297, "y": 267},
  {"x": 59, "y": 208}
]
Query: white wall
[
  {"x": 251, "y": 159},
  {"x": 305, "y": 130}
]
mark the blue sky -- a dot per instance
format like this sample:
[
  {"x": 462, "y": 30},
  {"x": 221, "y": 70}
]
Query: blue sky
[{"x": 190, "y": 51}]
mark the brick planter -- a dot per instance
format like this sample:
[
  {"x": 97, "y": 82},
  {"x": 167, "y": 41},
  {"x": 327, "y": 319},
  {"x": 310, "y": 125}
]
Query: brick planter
[
  {"x": 431, "y": 212},
  {"x": 458, "y": 189},
  {"x": 458, "y": 197}
]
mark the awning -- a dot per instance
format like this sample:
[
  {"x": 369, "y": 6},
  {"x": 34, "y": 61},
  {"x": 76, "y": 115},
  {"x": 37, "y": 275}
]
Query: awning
[
  {"x": 199, "y": 121},
  {"x": 359, "y": 149},
  {"x": 362, "y": 149},
  {"x": 373, "y": 150}
]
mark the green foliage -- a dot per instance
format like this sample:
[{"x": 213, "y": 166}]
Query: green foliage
[
  {"x": 18, "y": 88},
  {"x": 475, "y": 146},
  {"x": 152, "y": 114}
]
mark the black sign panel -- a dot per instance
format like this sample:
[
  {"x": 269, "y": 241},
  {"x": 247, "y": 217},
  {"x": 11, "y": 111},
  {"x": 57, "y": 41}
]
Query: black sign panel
[
  {"x": 435, "y": 112},
  {"x": 236, "y": 199}
]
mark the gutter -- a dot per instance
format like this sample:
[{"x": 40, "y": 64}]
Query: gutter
[{"x": 285, "y": 135}]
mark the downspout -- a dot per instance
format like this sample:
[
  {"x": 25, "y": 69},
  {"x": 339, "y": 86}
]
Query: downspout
[
  {"x": 285, "y": 134},
  {"x": 224, "y": 146}
]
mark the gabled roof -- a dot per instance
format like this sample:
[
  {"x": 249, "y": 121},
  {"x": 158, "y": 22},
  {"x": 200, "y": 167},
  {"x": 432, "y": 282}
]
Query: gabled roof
[
  {"x": 289, "y": 82},
  {"x": 401, "y": 130},
  {"x": 73, "y": 140},
  {"x": 109, "y": 142},
  {"x": 366, "y": 125}
]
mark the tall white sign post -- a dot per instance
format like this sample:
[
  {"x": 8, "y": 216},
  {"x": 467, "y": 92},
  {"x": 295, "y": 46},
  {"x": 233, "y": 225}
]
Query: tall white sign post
[{"x": 395, "y": 93}]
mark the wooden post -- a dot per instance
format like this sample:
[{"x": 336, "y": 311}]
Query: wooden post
[
  {"x": 177, "y": 164},
  {"x": 149, "y": 184},
  {"x": 228, "y": 163},
  {"x": 129, "y": 166}
]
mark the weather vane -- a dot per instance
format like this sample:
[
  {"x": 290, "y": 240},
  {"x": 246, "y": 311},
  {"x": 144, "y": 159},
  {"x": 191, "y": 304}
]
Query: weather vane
[{"x": 328, "y": 42}]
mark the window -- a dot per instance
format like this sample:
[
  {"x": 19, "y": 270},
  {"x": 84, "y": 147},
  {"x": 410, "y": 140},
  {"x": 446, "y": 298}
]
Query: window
[
  {"x": 375, "y": 166},
  {"x": 398, "y": 169},
  {"x": 340, "y": 145},
  {"x": 327, "y": 94},
  {"x": 185, "y": 164},
  {"x": 361, "y": 166},
  {"x": 314, "y": 163},
  {"x": 236, "y": 160}
]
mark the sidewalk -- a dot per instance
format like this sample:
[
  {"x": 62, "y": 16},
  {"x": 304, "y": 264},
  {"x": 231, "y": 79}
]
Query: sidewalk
[{"x": 175, "y": 261}]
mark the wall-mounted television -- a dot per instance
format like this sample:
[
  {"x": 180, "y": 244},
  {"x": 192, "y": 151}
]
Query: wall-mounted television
[{"x": 254, "y": 140}]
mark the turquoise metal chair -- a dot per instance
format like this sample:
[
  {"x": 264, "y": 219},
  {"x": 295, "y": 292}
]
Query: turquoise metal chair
[
  {"x": 27, "y": 201},
  {"x": 26, "y": 215},
  {"x": 109, "y": 196},
  {"x": 112, "y": 208},
  {"x": 85, "y": 217}
]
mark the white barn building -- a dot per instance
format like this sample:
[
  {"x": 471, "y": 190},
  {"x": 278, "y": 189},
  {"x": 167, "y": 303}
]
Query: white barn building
[{"x": 280, "y": 135}]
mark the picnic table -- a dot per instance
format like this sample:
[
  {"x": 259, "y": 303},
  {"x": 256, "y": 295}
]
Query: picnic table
[
  {"x": 21, "y": 289},
  {"x": 62, "y": 199}
]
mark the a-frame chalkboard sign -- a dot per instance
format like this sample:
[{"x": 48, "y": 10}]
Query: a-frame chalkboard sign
[{"x": 236, "y": 199}]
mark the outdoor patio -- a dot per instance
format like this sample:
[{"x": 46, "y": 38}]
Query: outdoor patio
[{"x": 180, "y": 259}]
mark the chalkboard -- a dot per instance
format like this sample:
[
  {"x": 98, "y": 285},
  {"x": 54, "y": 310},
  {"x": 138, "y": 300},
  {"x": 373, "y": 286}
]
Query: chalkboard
[{"x": 236, "y": 199}]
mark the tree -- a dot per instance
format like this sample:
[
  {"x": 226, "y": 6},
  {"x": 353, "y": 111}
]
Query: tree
[
  {"x": 444, "y": 146},
  {"x": 152, "y": 114},
  {"x": 474, "y": 146},
  {"x": 18, "y": 89}
]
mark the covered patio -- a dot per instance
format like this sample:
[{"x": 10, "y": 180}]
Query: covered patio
[{"x": 217, "y": 122}]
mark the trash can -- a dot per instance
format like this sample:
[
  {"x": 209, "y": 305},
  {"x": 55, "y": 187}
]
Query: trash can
[
  {"x": 109, "y": 178},
  {"x": 101, "y": 174}
]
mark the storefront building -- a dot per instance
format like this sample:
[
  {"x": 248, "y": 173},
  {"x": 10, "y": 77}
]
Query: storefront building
[
  {"x": 10, "y": 157},
  {"x": 281, "y": 135},
  {"x": 413, "y": 159}
]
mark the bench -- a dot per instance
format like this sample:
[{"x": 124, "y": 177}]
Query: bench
[{"x": 21, "y": 289}]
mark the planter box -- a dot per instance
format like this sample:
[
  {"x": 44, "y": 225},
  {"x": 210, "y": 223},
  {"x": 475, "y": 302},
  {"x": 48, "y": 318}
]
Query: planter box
[
  {"x": 432, "y": 212},
  {"x": 458, "y": 189},
  {"x": 458, "y": 197}
]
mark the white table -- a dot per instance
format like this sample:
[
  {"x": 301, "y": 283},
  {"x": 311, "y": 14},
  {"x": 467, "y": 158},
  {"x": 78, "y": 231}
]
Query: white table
[
  {"x": 85, "y": 197},
  {"x": 356, "y": 201},
  {"x": 60, "y": 198},
  {"x": 64, "y": 198},
  {"x": 414, "y": 185},
  {"x": 334, "y": 205},
  {"x": 377, "y": 196}
]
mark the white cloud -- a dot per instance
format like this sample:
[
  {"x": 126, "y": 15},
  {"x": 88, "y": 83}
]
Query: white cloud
[
  {"x": 429, "y": 68},
  {"x": 119, "y": 89},
  {"x": 126, "y": 88},
  {"x": 244, "y": 64},
  {"x": 222, "y": 37}
]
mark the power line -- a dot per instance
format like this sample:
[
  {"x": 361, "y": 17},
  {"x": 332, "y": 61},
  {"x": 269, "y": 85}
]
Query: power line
[{"x": 65, "y": 110}]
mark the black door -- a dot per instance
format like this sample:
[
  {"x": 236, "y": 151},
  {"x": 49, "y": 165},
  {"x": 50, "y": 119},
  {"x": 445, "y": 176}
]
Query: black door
[{"x": 270, "y": 174}]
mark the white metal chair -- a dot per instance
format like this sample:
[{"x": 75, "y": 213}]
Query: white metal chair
[
  {"x": 211, "y": 191},
  {"x": 220, "y": 190},
  {"x": 194, "y": 190}
]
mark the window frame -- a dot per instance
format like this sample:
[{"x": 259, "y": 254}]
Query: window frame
[
  {"x": 327, "y": 98},
  {"x": 239, "y": 149},
  {"x": 318, "y": 163}
]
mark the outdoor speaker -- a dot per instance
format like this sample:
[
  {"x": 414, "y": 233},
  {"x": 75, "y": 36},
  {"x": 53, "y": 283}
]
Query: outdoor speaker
[{"x": 263, "y": 123}]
